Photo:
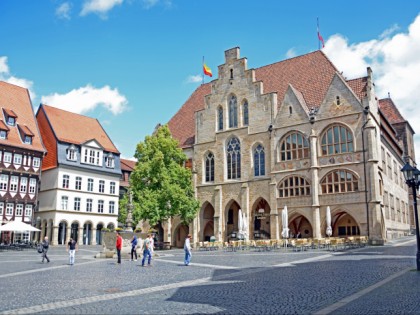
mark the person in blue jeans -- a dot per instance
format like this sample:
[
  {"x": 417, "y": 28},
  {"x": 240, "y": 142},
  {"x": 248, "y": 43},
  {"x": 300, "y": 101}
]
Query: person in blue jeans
[
  {"x": 134, "y": 247},
  {"x": 146, "y": 251},
  {"x": 187, "y": 249}
]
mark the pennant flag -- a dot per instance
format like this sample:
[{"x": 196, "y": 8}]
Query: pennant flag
[
  {"x": 207, "y": 70},
  {"x": 319, "y": 34}
]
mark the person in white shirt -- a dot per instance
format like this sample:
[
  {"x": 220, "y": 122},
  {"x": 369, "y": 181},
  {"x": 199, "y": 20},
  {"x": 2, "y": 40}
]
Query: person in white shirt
[{"x": 187, "y": 249}]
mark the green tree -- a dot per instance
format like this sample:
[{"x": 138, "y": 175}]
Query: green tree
[{"x": 160, "y": 183}]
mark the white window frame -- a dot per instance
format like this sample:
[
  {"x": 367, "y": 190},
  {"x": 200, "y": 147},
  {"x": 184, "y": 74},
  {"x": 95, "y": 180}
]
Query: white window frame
[
  {"x": 77, "y": 202},
  {"x": 4, "y": 180},
  {"x": 7, "y": 158},
  {"x": 17, "y": 159},
  {"x": 92, "y": 156},
  {"x": 36, "y": 162},
  {"x": 90, "y": 184},
  {"x": 71, "y": 153},
  {"x": 100, "y": 206},
  {"x": 32, "y": 185},
  {"x": 66, "y": 181},
  {"x": 101, "y": 186},
  {"x": 13, "y": 186},
  {"x": 110, "y": 161},
  {"x": 89, "y": 205},
  {"x": 19, "y": 210},
  {"x": 27, "y": 139},
  {"x": 23, "y": 184},
  {"x": 9, "y": 208},
  {"x": 64, "y": 202},
  {"x": 3, "y": 134},
  {"x": 78, "y": 183},
  {"x": 28, "y": 211},
  {"x": 111, "y": 207},
  {"x": 112, "y": 187},
  {"x": 1, "y": 208}
]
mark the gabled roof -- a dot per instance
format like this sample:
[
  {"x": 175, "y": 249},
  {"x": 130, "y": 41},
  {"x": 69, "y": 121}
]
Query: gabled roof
[
  {"x": 77, "y": 129},
  {"x": 15, "y": 102},
  {"x": 390, "y": 111},
  {"x": 310, "y": 75}
]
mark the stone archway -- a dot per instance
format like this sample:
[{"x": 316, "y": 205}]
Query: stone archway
[
  {"x": 300, "y": 224},
  {"x": 231, "y": 219},
  {"x": 207, "y": 223},
  {"x": 180, "y": 234},
  {"x": 87, "y": 233},
  {"x": 99, "y": 228},
  {"x": 260, "y": 226},
  {"x": 62, "y": 233},
  {"x": 343, "y": 224},
  {"x": 74, "y": 231}
]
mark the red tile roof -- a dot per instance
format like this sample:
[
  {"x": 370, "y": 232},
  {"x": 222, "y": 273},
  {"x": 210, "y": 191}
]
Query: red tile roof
[
  {"x": 390, "y": 111},
  {"x": 309, "y": 75},
  {"x": 15, "y": 100},
  {"x": 78, "y": 129},
  {"x": 3, "y": 126},
  {"x": 25, "y": 130},
  {"x": 127, "y": 165}
]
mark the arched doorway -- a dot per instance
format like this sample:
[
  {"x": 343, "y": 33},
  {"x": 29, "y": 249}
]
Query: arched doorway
[
  {"x": 99, "y": 228},
  {"x": 110, "y": 226},
  {"x": 232, "y": 220},
  {"x": 343, "y": 224},
  {"x": 299, "y": 227},
  {"x": 207, "y": 223},
  {"x": 180, "y": 234},
  {"x": 74, "y": 232},
  {"x": 62, "y": 233},
  {"x": 50, "y": 230},
  {"x": 87, "y": 233},
  {"x": 260, "y": 228}
]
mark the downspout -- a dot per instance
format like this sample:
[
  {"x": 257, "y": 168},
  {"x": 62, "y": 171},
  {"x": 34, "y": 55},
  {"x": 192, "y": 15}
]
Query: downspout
[{"x": 366, "y": 112}]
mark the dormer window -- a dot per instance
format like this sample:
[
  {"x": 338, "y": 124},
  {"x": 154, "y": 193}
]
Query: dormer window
[
  {"x": 25, "y": 134},
  {"x": 92, "y": 156},
  {"x": 110, "y": 161},
  {"x": 10, "y": 116},
  {"x": 71, "y": 153},
  {"x": 3, "y": 130}
]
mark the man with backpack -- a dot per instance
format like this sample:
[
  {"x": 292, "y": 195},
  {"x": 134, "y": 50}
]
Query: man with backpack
[{"x": 45, "y": 245}]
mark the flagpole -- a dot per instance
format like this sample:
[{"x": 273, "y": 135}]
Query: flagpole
[
  {"x": 202, "y": 70},
  {"x": 317, "y": 35}
]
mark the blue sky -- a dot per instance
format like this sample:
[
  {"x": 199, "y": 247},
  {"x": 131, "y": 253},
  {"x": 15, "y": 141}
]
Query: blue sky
[{"x": 133, "y": 63}]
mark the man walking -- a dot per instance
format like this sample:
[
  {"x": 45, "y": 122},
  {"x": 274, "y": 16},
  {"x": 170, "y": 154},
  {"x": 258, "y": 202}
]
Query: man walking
[
  {"x": 45, "y": 246},
  {"x": 187, "y": 249},
  {"x": 72, "y": 248},
  {"x": 134, "y": 248},
  {"x": 118, "y": 245},
  {"x": 147, "y": 251}
]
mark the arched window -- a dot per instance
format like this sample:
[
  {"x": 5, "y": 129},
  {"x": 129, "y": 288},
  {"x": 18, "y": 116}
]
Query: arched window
[
  {"x": 339, "y": 181},
  {"x": 233, "y": 112},
  {"x": 233, "y": 159},
  {"x": 210, "y": 167},
  {"x": 71, "y": 153},
  {"x": 293, "y": 187},
  {"x": 259, "y": 161},
  {"x": 294, "y": 146},
  {"x": 336, "y": 139},
  {"x": 245, "y": 113},
  {"x": 220, "y": 118}
]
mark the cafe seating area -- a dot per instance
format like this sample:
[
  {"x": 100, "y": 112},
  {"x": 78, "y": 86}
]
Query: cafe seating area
[{"x": 296, "y": 245}]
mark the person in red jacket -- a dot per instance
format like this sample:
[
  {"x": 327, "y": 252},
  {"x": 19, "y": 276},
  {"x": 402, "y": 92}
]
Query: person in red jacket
[{"x": 118, "y": 245}]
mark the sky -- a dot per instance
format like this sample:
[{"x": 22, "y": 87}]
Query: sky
[{"x": 133, "y": 63}]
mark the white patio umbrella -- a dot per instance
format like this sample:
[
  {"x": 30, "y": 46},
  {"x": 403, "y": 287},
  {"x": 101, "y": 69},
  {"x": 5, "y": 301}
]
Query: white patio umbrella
[
  {"x": 244, "y": 226},
  {"x": 328, "y": 219},
  {"x": 240, "y": 222},
  {"x": 18, "y": 226},
  {"x": 285, "y": 222}
]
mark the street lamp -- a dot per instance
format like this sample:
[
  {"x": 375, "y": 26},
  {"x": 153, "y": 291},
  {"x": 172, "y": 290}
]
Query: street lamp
[{"x": 412, "y": 179}]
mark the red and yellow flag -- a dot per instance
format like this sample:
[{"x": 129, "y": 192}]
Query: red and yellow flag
[{"x": 207, "y": 70}]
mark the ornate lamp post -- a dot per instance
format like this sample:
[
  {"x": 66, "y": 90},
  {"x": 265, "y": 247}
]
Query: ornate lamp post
[
  {"x": 129, "y": 220},
  {"x": 412, "y": 179}
]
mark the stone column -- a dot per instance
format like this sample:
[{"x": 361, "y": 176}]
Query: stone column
[
  {"x": 80, "y": 236},
  {"x": 316, "y": 219},
  {"x": 93, "y": 240},
  {"x": 274, "y": 213},
  {"x": 218, "y": 215},
  {"x": 42, "y": 231},
  {"x": 245, "y": 206},
  {"x": 37, "y": 234},
  {"x": 49, "y": 230},
  {"x": 54, "y": 236},
  {"x": 68, "y": 232}
]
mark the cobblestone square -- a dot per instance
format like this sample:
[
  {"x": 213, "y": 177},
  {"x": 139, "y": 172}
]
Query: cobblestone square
[{"x": 370, "y": 280}]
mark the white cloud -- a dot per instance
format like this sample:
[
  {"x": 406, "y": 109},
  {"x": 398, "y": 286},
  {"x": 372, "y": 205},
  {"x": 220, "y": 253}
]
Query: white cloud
[
  {"x": 63, "y": 11},
  {"x": 87, "y": 98},
  {"x": 7, "y": 77},
  {"x": 395, "y": 61},
  {"x": 100, "y": 7},
  {"x": 291, "y": 53},
  {"x": 194, "y": 78}
]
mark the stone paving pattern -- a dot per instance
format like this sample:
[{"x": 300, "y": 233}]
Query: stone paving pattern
[{"x": 243, "y": 282}]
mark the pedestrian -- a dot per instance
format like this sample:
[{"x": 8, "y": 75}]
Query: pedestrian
[
  {"x": 134, "y": 247},
  {"x": 45, "y": 246},
  {"x": 118, "y": 245},
  {"x": 147, "y": 251},
  {"x": 187, "y": 249},
  {"x": 152, "y": 244},
  {"x": 72, "y": 247}
]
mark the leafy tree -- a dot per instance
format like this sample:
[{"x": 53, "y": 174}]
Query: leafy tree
[
  {"x": 122, "y": 212},
  {"x": 161, "y": 185}
]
